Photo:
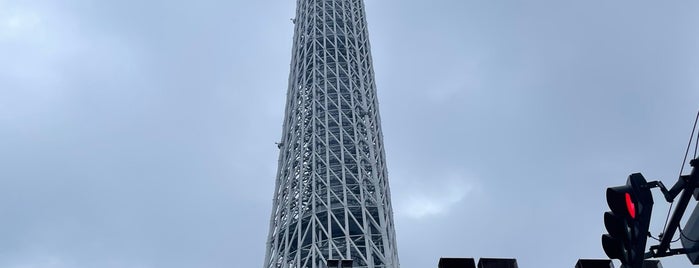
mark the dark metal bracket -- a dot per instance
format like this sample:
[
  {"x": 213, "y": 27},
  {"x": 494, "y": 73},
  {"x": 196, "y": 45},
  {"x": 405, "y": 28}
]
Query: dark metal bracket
[{"x": 686, "y": 184}]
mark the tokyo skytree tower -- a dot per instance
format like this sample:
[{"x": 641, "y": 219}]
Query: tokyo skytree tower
[{"x": 332, "y": 202}]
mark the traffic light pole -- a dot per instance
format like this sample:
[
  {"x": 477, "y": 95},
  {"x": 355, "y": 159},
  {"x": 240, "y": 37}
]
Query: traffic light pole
[{"x": 686, "y": 184}]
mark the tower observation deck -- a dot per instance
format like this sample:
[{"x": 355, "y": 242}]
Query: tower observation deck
[{"x": 332, "y": 199}]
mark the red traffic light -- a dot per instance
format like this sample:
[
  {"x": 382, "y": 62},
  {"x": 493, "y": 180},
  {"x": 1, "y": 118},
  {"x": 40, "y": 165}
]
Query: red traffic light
[
  {"x": 620, "y": 201},
  {"x": 630, "y": 206},
  {"x": 628, "y": 221}
]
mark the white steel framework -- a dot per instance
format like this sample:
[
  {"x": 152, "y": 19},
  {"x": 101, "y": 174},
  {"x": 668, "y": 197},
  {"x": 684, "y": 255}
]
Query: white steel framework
[{"x": 332, "y": 199}]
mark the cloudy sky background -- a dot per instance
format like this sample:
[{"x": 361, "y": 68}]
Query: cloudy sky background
[{"x": 139, "y": 134}]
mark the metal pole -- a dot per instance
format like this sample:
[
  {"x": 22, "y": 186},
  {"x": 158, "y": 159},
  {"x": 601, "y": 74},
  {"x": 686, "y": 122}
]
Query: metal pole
[{"x": 690, "y": 182}]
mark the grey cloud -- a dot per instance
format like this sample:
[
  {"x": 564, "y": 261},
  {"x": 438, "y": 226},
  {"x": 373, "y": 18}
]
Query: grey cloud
[{"x": 140, "y": 134}]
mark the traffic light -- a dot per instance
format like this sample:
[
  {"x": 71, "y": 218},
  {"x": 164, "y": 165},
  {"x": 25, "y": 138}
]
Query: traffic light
[{"x": 628, "y": 221}]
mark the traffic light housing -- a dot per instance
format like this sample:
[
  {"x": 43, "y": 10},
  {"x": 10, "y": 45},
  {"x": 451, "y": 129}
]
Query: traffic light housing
[{"x": 628, "y": 221}]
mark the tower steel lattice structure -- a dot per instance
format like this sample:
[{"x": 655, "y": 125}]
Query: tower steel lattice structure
[{"x": 332, "y": 199}]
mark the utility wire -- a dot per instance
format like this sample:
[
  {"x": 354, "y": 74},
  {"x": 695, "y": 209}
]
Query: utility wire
[
  {"x": 696, "y": 143},
  {"x": 658, "y": 238},
  {"x": 689, "y": 145},
  {"x": 686, "y": 152}
]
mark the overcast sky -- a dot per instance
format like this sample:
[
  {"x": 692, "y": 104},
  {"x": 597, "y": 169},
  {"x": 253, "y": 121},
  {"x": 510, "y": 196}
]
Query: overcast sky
[{"x": 140, "y": 134}]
